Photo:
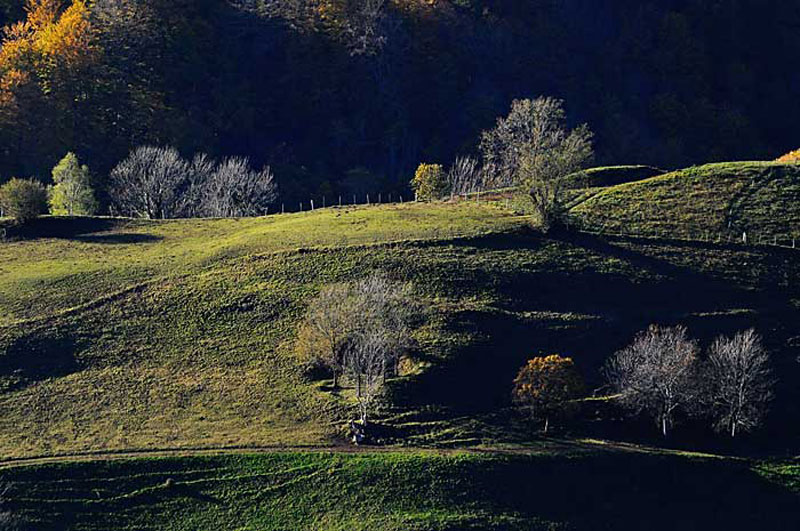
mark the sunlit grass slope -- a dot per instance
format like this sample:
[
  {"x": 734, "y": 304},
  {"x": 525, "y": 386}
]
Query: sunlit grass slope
[
  {"x": 66, "y": 262},
  {"x": 760, "y": 198},
  {"x": 417, "y": 491},
  {"x": 180, "y": 334}
]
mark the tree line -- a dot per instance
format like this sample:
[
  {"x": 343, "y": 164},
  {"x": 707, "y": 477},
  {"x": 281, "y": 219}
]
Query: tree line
[
  {"x": 532, "y": 150},
  {"x": 152, "y": 183},
  {"x": 358, "y": 331},
  {"x": 662, "y": 374},
  {"x": 346, "y": 96}
]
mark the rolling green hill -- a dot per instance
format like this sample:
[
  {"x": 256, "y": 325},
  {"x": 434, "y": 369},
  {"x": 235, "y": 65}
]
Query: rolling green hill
[
  {"x": 409, "y": 491},
  {"x": 716, "y": 200},
  {"x": 121, "y": 335},
  {"x": 124, "y": 335}
]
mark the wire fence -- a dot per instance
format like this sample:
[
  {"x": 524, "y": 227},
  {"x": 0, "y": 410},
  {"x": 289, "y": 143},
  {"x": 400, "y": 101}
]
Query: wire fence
[
  {"x": 502, "y": 197},
  {"x": 342, "y": 200},
  {"x": 381, "y": 198}
]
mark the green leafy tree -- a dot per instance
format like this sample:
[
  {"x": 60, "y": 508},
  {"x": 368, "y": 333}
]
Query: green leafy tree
[
  {"x": 546, "y": 385},
  {"x": 430, "y": 182},
  {"x": 72, "y": 194},
  {"x": 23, "y": 199},
  {"x": 534, "y": 149}
]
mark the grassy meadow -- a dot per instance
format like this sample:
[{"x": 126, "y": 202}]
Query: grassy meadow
[
  {"x": 121, "y": 336},
  {"x": 711, "y": 201},
  {"x": 419, "y": 491}
]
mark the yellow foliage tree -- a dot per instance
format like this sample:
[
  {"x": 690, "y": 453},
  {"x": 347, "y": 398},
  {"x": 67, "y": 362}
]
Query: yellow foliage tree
[
  {"x": 429, "y": 182},
  {"x": 545, "y": 385},
  {"x": 792, "y": 156}
]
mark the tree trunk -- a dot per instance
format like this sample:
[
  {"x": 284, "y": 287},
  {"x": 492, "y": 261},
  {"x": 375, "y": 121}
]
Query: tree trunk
[
  {"x": 358, "y": 386},
  {"x": 335, "y": 379},
  {"x": 733, "y": 429},
  {"x": 546, "y": 424},
  {"x": 664, "y": 425}
]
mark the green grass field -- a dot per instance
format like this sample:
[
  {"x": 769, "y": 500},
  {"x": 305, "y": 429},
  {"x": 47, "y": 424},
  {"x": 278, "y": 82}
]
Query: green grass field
[
  {"x": 120, "y": 335},
  {"x": 180, "y": 334},
  {"x": 727, "y": 199},
  {"x": 408, "y": 491}
]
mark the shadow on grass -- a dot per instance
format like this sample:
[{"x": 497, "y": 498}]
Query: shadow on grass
[
  {"x": 118, "y": 238},
  {"x": 612, "y": 489},
  {"x": 32, "y": 358},
  {"x": 588, "y": 312},
  {"x": 626, "y": 491},
  {"x": 84, "y": 229}
]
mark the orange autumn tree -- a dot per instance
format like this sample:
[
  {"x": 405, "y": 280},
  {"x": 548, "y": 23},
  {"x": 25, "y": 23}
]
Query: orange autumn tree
[
  {"x": 45, "y": 62},
  {"x": 792, "y": 156},
  {"x": 545, "y": 386}
]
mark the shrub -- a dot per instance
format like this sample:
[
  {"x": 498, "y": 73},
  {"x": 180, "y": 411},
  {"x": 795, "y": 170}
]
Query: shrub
[
  {"x": 23, "y": 199},
  {"x": 429, "y": 182}
]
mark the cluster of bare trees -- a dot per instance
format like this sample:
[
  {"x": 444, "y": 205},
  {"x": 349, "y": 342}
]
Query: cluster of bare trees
[
  {"x": 359, "y": 331},
  {"x": 661, "y": 373},
  {"x": 157, "y": 183},
  {"x": 465, "y": 176}
]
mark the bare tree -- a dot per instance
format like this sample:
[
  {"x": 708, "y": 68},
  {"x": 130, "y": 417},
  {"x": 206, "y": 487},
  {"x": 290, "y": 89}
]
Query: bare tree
[
  {"x": 389, "y": 307},
  {"x": 464, "y": 176},
  {"x": 740, "y": 383},
  {"x": 533, "y": 148},
  {"x": 359, "y": 24},
  {"x": 328, "y": 327},
  {"x": 365, "y": 362},
  {"x": 201, "y": 169},
  {"x": 232, "y": 189},
  {"x": 656, "y": 373},
  {"x": 361, "y": 330},
  {"x": 150, "y": 183}
]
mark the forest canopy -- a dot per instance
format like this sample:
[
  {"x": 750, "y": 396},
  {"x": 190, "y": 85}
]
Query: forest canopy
[{"x": 351, "y": 95}]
